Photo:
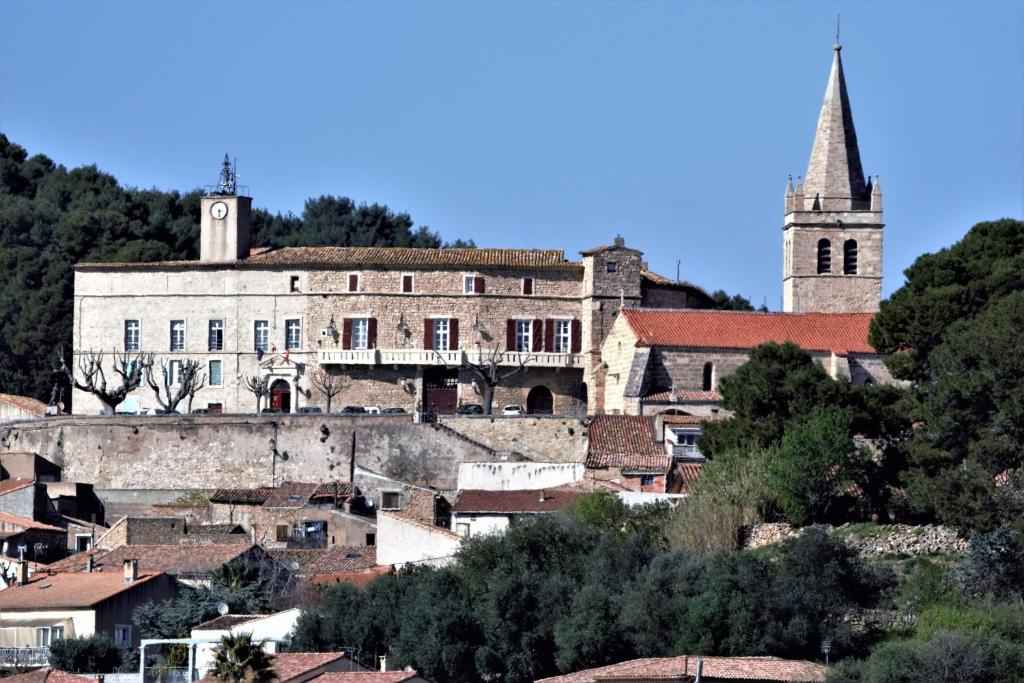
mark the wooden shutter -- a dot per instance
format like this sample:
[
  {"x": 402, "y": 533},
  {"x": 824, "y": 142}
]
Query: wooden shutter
[
  {"x": 549, "y": 335},
  {"x": 510, "y": 335},
  {"x": 453, "y": 334},
  {"x": 478, "y": 285},
  {"x": 371, "y": 333},
  {"x": 528, "y": 286},
  {"x": 577, "y": 336},
  {"x": 428, "y": 334},
  {"x": 538, "y": 334},
  {"x": 353, "y": 282},
  {"x": 407, "y": 284},
  {"x": 346, "y": 333}
]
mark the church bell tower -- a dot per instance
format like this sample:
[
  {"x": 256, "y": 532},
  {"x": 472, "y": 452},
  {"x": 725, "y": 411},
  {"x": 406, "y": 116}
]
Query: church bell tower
[
  {"x": 832, "y": 237},
  {"x": 225, "y": 225}
]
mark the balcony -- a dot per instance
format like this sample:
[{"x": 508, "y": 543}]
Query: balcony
[
  {"x": 452, "y": 358},
  {"x": 24, "y": 656}
]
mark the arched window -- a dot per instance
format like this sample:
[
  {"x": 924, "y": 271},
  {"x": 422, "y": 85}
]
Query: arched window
[
  {"x": 709, "y": 376},
  {"x": 824, "y": 256},
  {"x": 850, "y": 257}
]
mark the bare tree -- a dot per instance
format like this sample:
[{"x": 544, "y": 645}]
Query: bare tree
[
  {"x": 484, "y": 363},
  {"x": 130, "y": 367},
  {"x": 190, "y": 379},
  {"x": 258, "y": 386},
  {"x": 328, "y": 384}
]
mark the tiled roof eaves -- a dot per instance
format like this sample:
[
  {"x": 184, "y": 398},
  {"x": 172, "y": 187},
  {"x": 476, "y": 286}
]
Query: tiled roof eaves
[{"x": 26, "y": 403}]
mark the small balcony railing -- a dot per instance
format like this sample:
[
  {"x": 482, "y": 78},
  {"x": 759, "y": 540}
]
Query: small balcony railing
[
  {"x": 686, "y": 452},
  {"x": 541, "y": 359},
  {"x": 24, "y": 656}
]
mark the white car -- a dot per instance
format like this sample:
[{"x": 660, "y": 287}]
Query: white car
[
  {"x": 372, "y": 410},
  {"x": 513, "y": 410}
]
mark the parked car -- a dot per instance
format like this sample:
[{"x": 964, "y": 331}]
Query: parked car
[
  {"x": 201, "y": 411},
  {"x": 393, "y": 411},
  {"x": 513, "y": 410},
  {"x": 310, "y": 410},
  {"x": 353, "y": 410},
  {"x": 160, "y": 411},
  {"x": 271, "y": 411},
  {"x": 372, "y": 410},
  {"x": 470, "y": 409}
]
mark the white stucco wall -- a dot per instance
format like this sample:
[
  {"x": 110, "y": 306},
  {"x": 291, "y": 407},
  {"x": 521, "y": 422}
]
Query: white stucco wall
[
  {"x": 83, "y": 623},
  {"x": 507, "y": 476},
  {"x": 481, "y": 524},
  {"x": 401, "y": 542},
  {"x": 272, "y": 628}
]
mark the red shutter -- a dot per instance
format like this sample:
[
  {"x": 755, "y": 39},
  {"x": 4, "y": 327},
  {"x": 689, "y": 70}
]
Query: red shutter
[
  {"x": 549, "y": 335},
  {"x": 538, "y": 334},
  {"x": 478, "y": 285},
  {"x": 346, "y": 334},
  {"x": 510, "y": 335},
  {"x": 528, "y": 286},
  {"x": 353, "y": 283},
  {"x": 453, "y": 334},
  {"x": 577, "y": 336},
  {"x": 371, "y": 333},
  {"x": 428, "y": 334},
  {"x": 407, "y": 284}
]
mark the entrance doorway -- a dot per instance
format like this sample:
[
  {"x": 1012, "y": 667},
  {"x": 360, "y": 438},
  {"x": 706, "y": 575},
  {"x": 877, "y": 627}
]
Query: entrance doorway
[
  {"x": 440, "y": 391},
  {"x": 540, "y": 401},
  {"x": 281, "y": 396}
]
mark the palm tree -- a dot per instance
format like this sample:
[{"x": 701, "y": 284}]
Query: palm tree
[{"x": 239, "y": 660}]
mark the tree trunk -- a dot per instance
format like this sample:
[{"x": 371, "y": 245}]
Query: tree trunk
[
  {"x": 107, "y": 408},
  {"x": 329, "y": 404},
  {"x": 488, "y": 398}
]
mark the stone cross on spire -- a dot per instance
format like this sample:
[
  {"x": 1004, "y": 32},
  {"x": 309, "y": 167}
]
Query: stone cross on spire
[{"x": 835, "y": 179}]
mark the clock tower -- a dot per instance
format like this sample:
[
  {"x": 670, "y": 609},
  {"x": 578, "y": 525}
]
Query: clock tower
[{"x": 225, "y": 224}]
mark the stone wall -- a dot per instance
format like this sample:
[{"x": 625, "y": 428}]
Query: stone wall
[
  {"x": 541, "y": 439},
  {"x": 870, "y": 540},
  {"x": 205, "y": 452}
]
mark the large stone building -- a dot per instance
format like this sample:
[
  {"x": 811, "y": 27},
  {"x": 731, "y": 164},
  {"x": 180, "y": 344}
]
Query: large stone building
[{"x": 392, "y": 325}]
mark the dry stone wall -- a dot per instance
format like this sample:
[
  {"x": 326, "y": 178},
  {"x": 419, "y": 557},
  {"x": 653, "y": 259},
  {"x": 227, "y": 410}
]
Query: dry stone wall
[
  {"x": 541, "y": 439},
  {"x": 870, "y": 541}
]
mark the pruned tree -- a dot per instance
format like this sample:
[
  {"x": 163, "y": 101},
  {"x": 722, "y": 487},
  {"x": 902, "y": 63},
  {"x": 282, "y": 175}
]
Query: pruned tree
[
  {"x": 130, "y": 367},
  {"x": 485, "y": 364},
  {"x": 328, "y": 384},
  {"x": 169, "y": 392},
  {"x": 257, "y": 386}
]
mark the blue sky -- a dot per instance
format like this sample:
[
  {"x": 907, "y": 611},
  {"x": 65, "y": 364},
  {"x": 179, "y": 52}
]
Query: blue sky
[{"x": 532, "y": 124}]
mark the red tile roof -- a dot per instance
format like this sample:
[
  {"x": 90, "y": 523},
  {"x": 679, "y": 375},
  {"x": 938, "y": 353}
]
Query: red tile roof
[
  {"x": 366, "y": 677},
  {"x": 72, "y": 591},
  {"x": 714, "y": 668},
  {"x": 839, "y": 332},
  {"x": 256, "y": 496},
  {"x": 172, "y": 558},
  {"x": 473, "y": 501},
  {"x": 15, "y": 484},
  {"x": 358, "y": 578},
  {"x": 626, "y": 442},
  {"x": 291, "y": 665},
  {"x": 685, "y": 475},
  {"x": 329, "y": 257},
  {"x": 48, "y": 675},
  {"x": 290, "y": 494},
  {"x": 26, "y": 403},
  {"x": 25, "y": 522},
  {"x": 339, "y": 559},
  {"x": 682, "y": 396},
  {"x": 688, "y": 420}
]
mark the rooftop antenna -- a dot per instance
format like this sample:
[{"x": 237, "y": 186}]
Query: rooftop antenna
[
  {"x": 837, "y": 30},
  {"x": 678, "y": 262}
]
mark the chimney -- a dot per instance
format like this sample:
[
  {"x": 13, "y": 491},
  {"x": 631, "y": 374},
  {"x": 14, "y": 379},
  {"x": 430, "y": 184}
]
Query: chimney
[
  {"x": 542, "y": 495},
  {"x": 619, "y": 241},
  {"x": 21, "y": 572},
  {"x": 383, "y": 663},
  {"x": 131, "y": 571},
  {"x": 700, "y": 670},
  {"x": 89, "y": 563}
]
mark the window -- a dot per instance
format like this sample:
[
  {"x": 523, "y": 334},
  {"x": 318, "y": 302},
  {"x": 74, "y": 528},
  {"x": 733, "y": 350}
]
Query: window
[
  {"x": 284, "y": 532},
  {"x": 686, "y": 443},
  {"x": 824, "y": 257},
  {"x": 56, "y": 633},
  {"x": 442, "y": 334},
  {"x": 293, "y": 283},
  {"x": 462, "y": 529},
  {"x": 131, "y": 335},
  {"x": 83, "y": 542},
  {"x": 360, "y": 333},
  {"x": 43, "y": 637},
  {"x": 123, "y": 635},
  {"x": 216, "y": 335},
  {"x": 467, "y": 284},
  {"x": 177, "y": 335},
  {"x": 524, "y": 335},
  {"x": 708, "y": 380},
  {"x": 389, "y": 500},
  {"x": 646, "y": 480},
  {"x": 407, "y": 284},
  {"x": 216, "y": 373},
  {"x": 371, "y": 539},
  {"x": 293, "y": 334},
  {"x": 563, "y": 336},
  {"x": 261, "y": 335},
  {"x": 612, "y": 266},
  {"x": 527, "y": 286},
  {"x": 850, "y": 257},
  {"x": 353, "y": 282}
]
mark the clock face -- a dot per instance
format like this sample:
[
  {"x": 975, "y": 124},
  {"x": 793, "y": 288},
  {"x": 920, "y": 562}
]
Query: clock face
[{"x": 219, "y": 210}]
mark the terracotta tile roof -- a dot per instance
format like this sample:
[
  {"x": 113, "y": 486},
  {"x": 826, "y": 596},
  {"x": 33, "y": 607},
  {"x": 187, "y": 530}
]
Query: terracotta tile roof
[
  {"x": 214, "y": 530},
  {"x": 683, "y": 420},
  {"x": 366, "y": 677},
  {"x": 343, "y": 489},
  {"x": 226, "y": 622},
  {"x": 26, "y": 403},
  {"x": 15, "y": 484},
  {"x": 472, "y": 501},
  {"x": 171, "y": 558},
  {"x": 626, "y": 442},
  {"x": 48, "y": 675},
  {"x": 716, "y": 668},
  {"x": 65, "y": 590},
  {"x": 290, "y": 665},
  {"x": 25, "y": 522},
  {"x": 339, "y": 559},
  {"x": 653, "y": 278},
  {"x": 605, "y": 247},
  {"x": 290, "y": 494},
  {"x": 255, "y": 496},
  {"x": 684, "y": 476},
  {"x": 681, "y": 396},
  {"x": 838, "y": 332},
  {"x": 358, "y": 578},
  {"x": 331, "y": 257}
]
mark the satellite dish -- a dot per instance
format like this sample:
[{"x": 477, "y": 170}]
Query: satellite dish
[{"x": 222, "y": 608}]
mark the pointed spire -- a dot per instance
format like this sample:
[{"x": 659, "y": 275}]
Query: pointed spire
[{"x": 834, "y": 175}]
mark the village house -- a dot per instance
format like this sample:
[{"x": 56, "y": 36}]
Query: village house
[
  {"x": 700, "y": 670},
  {"x": 478, "y": 512},
  {"x": 14, "y": 408},
  {"x": 350, "y": 564},
  {"x": 407, "y": 540},
  {"x": 626, "y": 450},
  {"x": 274, "y": 630}
]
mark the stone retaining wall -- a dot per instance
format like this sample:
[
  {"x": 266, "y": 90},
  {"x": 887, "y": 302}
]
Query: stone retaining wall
[{"x": 877, "y": 541}]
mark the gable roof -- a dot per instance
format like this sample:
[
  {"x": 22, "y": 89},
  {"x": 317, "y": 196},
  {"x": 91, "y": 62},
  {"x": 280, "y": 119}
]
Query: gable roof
[
  {"x": 339, "y": 559},
  {"x": 840, "y": 333},
  {"x": 226, "y": 622},
  {"x": 366, "y": 677},
  {"x": 26, "y": 403},
  {"x": 46, "y": 591},
  {"x": 48, "y": 675},
  {"x": 291, "y": 665},
  {"x": 15, "y": 520},
  {"x": 627, "y": 442},
  {"x": 188, "y": 559},
  {"x": 684, "y": 668},
  {"x": 472, "y": 501}
]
